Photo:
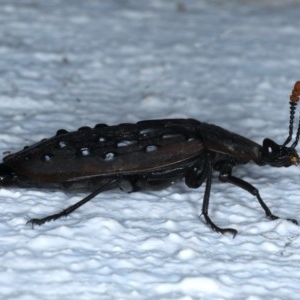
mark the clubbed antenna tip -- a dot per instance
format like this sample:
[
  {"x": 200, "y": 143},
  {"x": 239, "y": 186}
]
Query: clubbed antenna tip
[
  {"x": 294, "y": 98},
  {"x": 295, "y": 93}
]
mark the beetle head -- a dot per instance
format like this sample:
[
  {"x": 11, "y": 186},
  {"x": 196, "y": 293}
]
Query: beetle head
[{"x": 279, "y": 155}]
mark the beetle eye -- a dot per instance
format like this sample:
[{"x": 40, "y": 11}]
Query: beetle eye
[
  {"x": 270, "y": 149},
  {"x": 269, "y": 145}
]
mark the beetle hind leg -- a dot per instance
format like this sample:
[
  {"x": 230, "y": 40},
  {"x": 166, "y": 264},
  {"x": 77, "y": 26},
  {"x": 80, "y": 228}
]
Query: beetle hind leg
[{"x": 73, "y": 207}]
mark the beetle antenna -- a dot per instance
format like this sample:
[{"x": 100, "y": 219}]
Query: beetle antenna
[
  {"x": 294, "y": 98},
  {"x": 297, "y": 136}
]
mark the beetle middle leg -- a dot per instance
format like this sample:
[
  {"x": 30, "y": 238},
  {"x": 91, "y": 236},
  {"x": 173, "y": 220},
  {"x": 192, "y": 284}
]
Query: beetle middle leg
[
  {"x": 225, "y": 176},
  {"x": 208, "y": 170},
  {"x": 194, "y": 179},
  {"x": 106, "y": 186}
]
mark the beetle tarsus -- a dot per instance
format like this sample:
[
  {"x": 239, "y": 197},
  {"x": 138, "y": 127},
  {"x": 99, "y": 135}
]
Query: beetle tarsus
[
  {"x": 63, "y": 213},
  {"x": 42, "y": 221},
  {"x": 294, "y": 221},
  {"x": 218, "y": 229},
  {"x": 272, "y": 218}
]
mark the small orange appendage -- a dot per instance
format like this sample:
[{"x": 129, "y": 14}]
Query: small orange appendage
[
  {"x": 294, "y": 160},
  {"x": 295, "y": 93}
]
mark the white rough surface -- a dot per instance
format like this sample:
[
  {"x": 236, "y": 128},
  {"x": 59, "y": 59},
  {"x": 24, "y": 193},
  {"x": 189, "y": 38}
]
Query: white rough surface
[{"x": 65, "y": 64}]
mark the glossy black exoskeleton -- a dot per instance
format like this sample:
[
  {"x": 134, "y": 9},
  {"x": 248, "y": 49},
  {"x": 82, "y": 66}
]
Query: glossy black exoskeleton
[{"x": 147, "y": 155}]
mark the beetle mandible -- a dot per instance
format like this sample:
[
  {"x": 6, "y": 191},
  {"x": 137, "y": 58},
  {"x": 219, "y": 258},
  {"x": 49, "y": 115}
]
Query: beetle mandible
[{"x": 150, "y": 154}]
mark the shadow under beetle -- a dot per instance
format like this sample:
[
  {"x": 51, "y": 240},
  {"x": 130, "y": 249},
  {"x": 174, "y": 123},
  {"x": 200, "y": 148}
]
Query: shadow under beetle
[{"x": 150, "y": 154}]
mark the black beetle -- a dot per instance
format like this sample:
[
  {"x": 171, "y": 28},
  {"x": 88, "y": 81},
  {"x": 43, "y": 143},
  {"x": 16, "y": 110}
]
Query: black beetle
[{"x": 150, "y": 154}]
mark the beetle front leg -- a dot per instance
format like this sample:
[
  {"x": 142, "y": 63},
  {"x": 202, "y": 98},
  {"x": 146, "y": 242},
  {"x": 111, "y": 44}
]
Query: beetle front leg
[
  {"x": 214, "y": 227},
  {"x": 225, "y": 176}
]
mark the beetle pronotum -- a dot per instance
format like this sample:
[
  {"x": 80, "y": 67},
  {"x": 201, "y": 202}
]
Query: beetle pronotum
[{"x": 150, "y": 154}]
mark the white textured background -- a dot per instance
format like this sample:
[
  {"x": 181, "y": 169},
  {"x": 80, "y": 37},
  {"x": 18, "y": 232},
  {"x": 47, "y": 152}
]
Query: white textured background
[{"x": 65, "y": 64}]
